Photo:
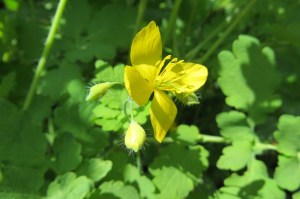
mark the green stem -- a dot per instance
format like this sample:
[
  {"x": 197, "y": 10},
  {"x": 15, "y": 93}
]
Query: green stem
[
  {"x": 218, "y": 139},
  {"x": 237, "y": 20},
  {"x": 141, "y": 13},
  {"x": 131, "y": 110},
  {"x": 192, "y": 16},
  {"x": 176, "y": 52},
  {"x": 264, "y": 147},
  {"x": 45, "y": 53},
  {"x": 172, "y": 20},
  {"x": 212, "y": 139},
  {"x": 139, "y": 162},
  {"x": 191, "y": 55}
]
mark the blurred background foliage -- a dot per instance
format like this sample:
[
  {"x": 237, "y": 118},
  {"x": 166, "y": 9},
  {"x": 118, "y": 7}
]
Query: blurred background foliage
[{"x": 241, "y": 141}]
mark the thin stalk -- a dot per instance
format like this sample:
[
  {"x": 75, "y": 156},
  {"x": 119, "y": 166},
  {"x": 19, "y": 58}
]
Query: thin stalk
[
  {"x": 192, "y": 16},
  {"x": 141, "y": 12},
  {"x": 218, "y": 139},
  {"x": 172, "y": 20},
  {"x": 45, "y": 53},
  {"x": 212, "y": 139},
  {"x": 191, "y": 54},
  {"x": 176, "y": 52},
  {"x": 212, "y": 49},
  {"x": 139, "y": 162},
  {"x": 131, "y": 110},
  {"x": 264, "y": 147}
]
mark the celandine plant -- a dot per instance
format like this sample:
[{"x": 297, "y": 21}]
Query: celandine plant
[{"x": 149, "y": 74}]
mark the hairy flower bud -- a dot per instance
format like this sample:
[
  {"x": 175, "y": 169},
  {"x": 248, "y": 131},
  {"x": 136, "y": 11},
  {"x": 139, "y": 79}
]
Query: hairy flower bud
[
  {"x": 97, "y": 91},
  {"x": 188, "y": 98},
  {"x": 135, "y": 136}
]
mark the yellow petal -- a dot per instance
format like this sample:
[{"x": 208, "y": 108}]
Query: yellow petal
[
  {"x": 180, "y": 77},
  {"x": 195, "y": 76},
  {"x": 148, "y": 72},
  {"x": 137, "y": 87},
  {"x": 146, "y": 47},
  {"x": 162, "y": 114}
]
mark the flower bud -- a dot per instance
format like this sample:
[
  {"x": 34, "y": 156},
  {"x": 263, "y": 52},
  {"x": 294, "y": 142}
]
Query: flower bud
[
  {"x": 97, "y": 91},
  {"x": 188, "y": 98},
  {"x": 135, "y": 136}
]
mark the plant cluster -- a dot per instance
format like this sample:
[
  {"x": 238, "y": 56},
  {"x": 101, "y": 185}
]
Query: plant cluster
[{"x": 81, "y": 81}]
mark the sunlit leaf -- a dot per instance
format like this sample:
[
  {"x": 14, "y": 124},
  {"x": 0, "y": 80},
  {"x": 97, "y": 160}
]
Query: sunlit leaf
[
  {"x": 254, "y": 183},
  {"x": 286, "y": 167},
  {"x": 234, "y": 126},
  {"x": 249, "y": 79},
  {"x": 170, "y": 169},
  {"x": 95, "y": 168},
  {"x": 288, "y": 135},
  {"x": 236, "y": 156},
  {"x": 118, "y": 189},
  {"x": 188, "y": 134},
  {"x": 68, "y": 186}
]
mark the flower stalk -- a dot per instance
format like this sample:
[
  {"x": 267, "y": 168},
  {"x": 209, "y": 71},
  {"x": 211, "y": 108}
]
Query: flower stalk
[
  {"x": 45, "y": 53},
  {"x": 218, "y": 139}
]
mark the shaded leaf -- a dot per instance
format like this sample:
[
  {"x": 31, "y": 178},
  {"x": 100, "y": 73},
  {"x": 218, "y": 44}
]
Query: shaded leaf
[
  {"x": 20, "y": 138},
  {"x": 7, "y": 84},
  {"x": 67, "y": 153},
  {"x": 145, "y": 185}
]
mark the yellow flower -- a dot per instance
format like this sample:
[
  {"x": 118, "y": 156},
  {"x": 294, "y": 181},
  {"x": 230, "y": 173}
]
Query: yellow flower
[{"x": 148, "y": 74}]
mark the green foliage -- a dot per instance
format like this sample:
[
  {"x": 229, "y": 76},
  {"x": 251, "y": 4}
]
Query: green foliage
[
  {"x": 238, "y": 137},
  {"x": 69, "y": 186},
  {"x": 243, "y": 77},
  {"x": 95, "y": 168},
  {"x": 176, "y": 176},
  {"x": 236, "y": 156},
  {"x": 288, "y": 138},
  {"x": 254, "y": 183},
  {"x": 67, "y": 153},
  {"x": 118, "y": 189},
  {"x": 288, "y": 135}
]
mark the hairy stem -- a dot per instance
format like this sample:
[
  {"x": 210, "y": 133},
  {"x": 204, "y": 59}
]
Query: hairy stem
[{"x": 45, "y": 53}]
